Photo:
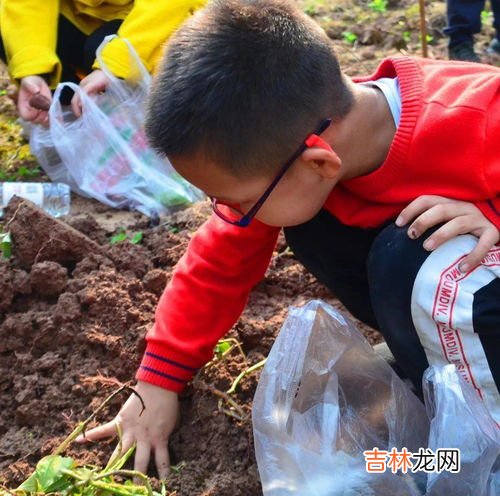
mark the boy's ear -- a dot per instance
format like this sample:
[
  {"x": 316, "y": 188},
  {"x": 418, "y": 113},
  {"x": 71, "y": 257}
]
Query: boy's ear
[{"x": 326, "y": 163}]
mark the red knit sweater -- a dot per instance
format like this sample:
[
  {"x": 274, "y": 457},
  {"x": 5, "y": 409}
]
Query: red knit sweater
[{"x": 447, "y": 143}]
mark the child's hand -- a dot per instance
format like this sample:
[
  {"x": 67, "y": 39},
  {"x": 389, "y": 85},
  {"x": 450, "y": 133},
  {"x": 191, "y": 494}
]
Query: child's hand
[
  {"x": 460, "y": 218},
  {"x": 95, "y": 82},
  {"x": 29, "y": 87},
  {"x": 149, "y": 431}
]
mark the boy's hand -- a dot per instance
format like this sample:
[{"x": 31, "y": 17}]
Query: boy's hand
[
  {"x": 29, "y": 87},
  {"x": 460, "y": 218},
  {"x": 95, "y": 82},
  {"x": 149, "y": 431}
]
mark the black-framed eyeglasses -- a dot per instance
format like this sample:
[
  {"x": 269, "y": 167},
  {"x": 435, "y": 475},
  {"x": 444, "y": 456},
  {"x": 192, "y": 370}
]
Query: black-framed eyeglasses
[{"x": 312, "y": 140}]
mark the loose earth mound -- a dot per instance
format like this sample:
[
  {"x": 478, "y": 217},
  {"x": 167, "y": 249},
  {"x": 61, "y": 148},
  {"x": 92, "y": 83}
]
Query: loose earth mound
[{"x": 74, "y": 310}]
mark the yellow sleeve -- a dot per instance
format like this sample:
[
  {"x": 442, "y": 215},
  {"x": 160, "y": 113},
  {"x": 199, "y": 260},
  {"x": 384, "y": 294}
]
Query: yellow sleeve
[
  {"x": 29, "y": 33},
  {"x": 148, "y": 25}
]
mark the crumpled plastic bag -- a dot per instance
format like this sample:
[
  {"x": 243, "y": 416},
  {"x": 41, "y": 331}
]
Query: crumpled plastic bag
[
  {"x": 104, "y": 153},
  {"x": 461, "y": 420},
  {"x": 325, "y": 397}
]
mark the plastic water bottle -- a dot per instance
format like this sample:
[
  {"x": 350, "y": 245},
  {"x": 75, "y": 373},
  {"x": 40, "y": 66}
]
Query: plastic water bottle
[{"x": 54, "y": 198}]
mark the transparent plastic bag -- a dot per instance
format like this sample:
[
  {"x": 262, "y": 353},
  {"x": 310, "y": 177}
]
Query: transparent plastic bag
[
  {"x": 324, "y": 397},
  {"x": 105, "y": 151},
  {"x": 43, "y": 148},
  {"x": 461, "y": 421}
]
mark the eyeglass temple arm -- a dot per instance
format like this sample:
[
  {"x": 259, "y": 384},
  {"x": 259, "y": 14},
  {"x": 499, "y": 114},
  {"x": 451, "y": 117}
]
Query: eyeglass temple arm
[{"x": 312, "y": 140}]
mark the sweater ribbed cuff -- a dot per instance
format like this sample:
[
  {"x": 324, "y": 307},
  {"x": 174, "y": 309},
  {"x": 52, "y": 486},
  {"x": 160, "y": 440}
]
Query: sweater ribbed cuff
[
  {"x": 164, "y": 370},
  {"x": 36, "y": 60}
]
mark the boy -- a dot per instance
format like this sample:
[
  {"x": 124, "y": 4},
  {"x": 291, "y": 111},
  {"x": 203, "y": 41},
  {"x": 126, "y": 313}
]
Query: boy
[{"x": 251, "y": 106}]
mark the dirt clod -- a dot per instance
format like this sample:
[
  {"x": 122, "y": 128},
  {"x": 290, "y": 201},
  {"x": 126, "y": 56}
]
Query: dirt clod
[
  {"x": 48, "y": 278},
  {"x": 38, "y": 237}
]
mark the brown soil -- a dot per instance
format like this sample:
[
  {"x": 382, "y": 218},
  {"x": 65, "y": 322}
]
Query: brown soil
[
  {"x": 72, "y": 327},
  {"x": 74, "y": 312}
]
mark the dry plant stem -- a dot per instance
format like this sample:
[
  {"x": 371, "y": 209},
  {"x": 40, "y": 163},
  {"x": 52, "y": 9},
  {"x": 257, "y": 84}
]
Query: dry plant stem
[
  {"x": 240, "y": 414},
  {"x": 423, "y": 28},
  {"x": 6, "y": 227},
  {"x": 230, "y": 413},
  {"x": 249, "y": 370},
  {"x": 80, "y": 428},
  {"x": 118, "y": 451}
]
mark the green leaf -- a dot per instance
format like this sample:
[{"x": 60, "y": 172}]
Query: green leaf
[
  {"x": 30, "y": 485},
  {"x": 221, "y": 348},
  {"x": 24, "y": 172},
  {"x": 349, "y": 37},
  {"x": 378, "y": 6},
  {"x": 6, "y": 244},
  {"x": 118, "y": 238},
  {"x": 485, "y": 15},
  {"x": 50, "y": 472},
  {"x": 137, "y": 238},
  {"x": 49, "y": 475}
]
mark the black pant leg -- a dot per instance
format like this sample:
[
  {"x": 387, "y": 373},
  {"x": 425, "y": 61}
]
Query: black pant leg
[
  {"x": 495, "y": 7},
  {"x": 464, "y": 20},
  {"x": 336, "y": 255},
  {"x": 393, "y": 263},
  {"x": 69, "y": 49},
  {"x": 3, "y": 56},
  {"x": 77, "y": 50},
  {"x": 431, "y": 313},
  {"x": 95, "y": 39}
]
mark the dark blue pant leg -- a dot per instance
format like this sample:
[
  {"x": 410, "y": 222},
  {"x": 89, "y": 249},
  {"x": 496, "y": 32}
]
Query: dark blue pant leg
[
  {"x": 393, "y": 264},
  {"x": 428, "y": 310},
  {"x": 495, "y": 7},
  {"x": 375, "y": 273},
  {"x": 336, "y": 255},
  {"x": 464, "y": 20}
]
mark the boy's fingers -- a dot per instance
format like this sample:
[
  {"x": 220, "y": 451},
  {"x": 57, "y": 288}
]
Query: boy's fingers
[
  {"x": 450, "y": 230},
  {"x": 426, "y": 220},
  {"x": 106, "y": 430},
  {"x": 417, "y": 207},
  {"x": 162, "y": 460},
  {"x": 121, "y": 449},
  {"x": 455, "y": 212},
  {"x": 487, "y": 240},
  {"x": 142, "y": 456}
]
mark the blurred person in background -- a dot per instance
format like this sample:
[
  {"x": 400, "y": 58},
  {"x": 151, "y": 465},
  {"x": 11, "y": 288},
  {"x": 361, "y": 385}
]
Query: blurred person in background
[
  {"x": 46, "y": 42},
  {"x": 464, "y": 21}
]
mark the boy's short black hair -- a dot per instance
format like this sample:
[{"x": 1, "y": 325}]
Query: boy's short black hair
[{"x": 243, "y": 83}]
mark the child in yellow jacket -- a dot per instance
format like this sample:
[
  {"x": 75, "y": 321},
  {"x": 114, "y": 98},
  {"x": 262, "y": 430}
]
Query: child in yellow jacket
[{"x": 46, "y": 42}]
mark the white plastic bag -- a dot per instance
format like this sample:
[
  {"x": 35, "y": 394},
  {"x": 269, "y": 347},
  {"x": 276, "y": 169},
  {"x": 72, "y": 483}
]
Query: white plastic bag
[
  {"x": 461, "y": 421},
  {"x": 43, "y": 148},
  {"x": 324, "y": 397},
  {"x": 104, "y": 153}
]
